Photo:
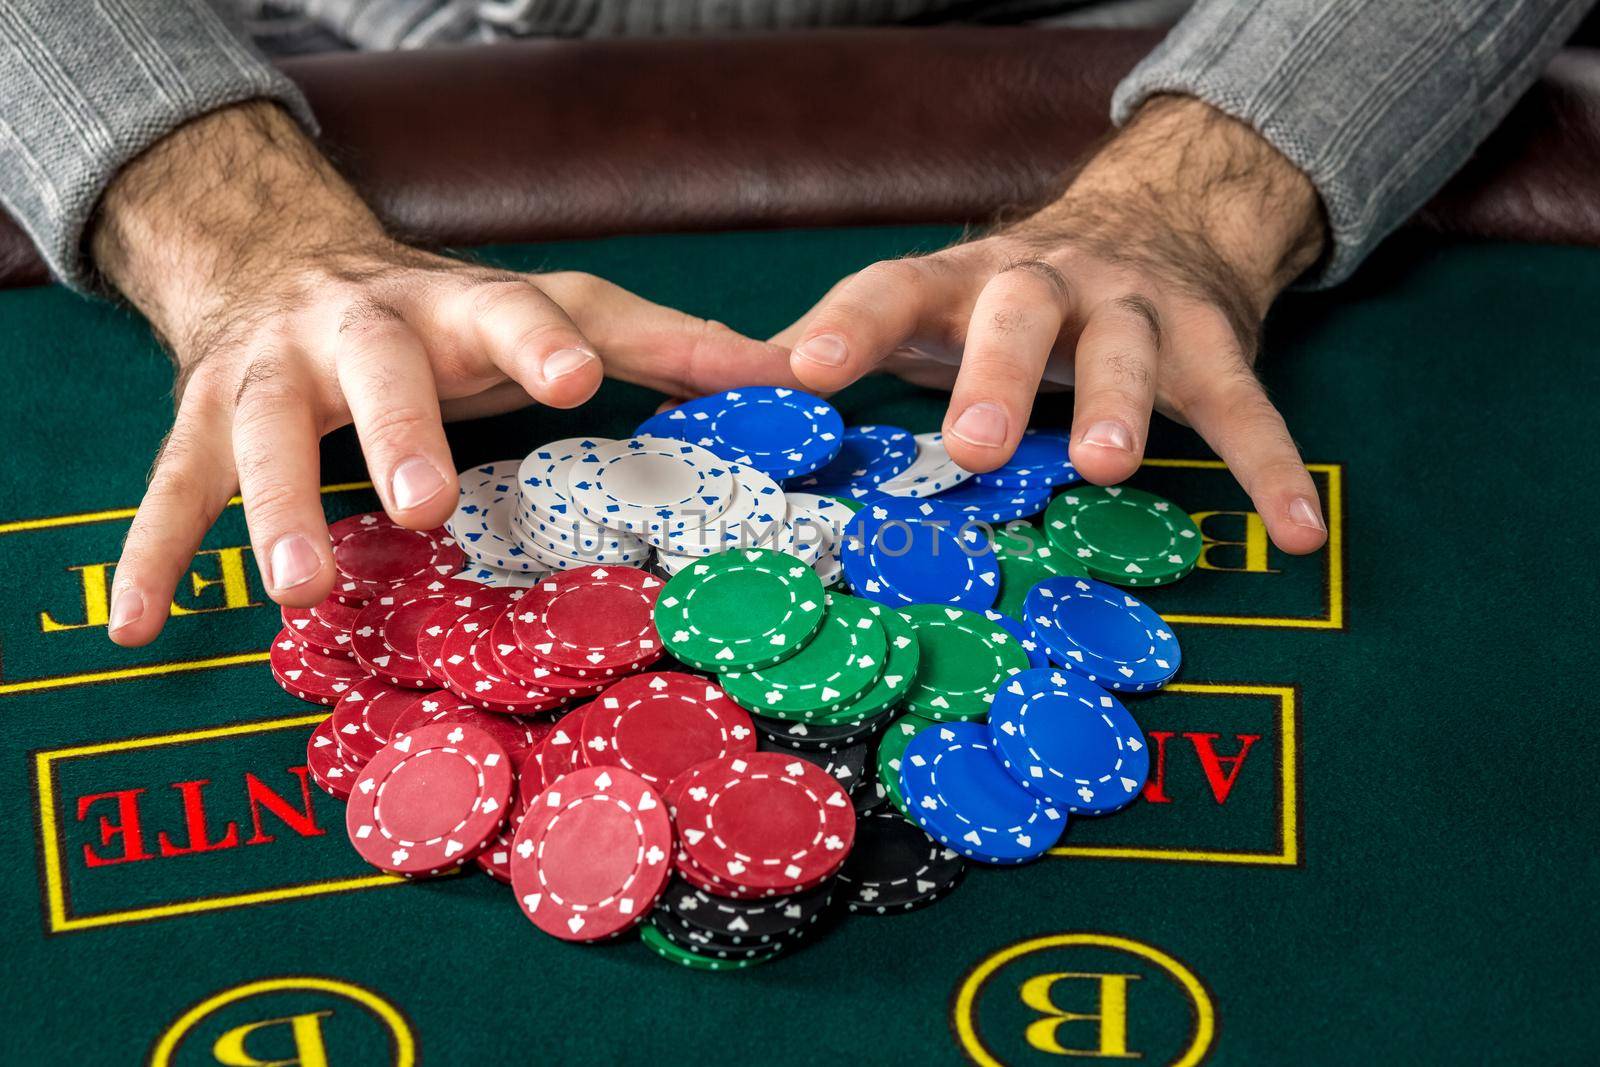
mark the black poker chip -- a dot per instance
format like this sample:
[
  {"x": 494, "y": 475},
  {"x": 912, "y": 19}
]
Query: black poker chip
[
  {"x": 847, "y": 765},
  {"x": 815, "y": 737},
  {"x": 703, "y": 943},
  {"x": 869, "y": 796},
  {"x": 895, "y": 867},
  {"x": 747, "y": 922}
]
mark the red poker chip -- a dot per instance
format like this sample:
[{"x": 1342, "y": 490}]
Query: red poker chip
[
  {"x": 562, "y": 752},
  {"x": 516, "y": 735},
  {"x": 311, "y": 675},
  {"x": 659, "y": 725},
  {"x": 373, "y": 554},
  {"x": 515, "y": 663},
  {"x": 436, "y": 624},
  {"x": 592, "y": 855},
  {"x": 765, "y": 820},
  {"x": 384, "y": 635},
  {"x": 363, "y": 719},
  {"x": 323, "y": 632},
  {"x": 495, "y": 859},
  {"x": 591, "y": 621},
  {"x": 530, "y": 775},
  {"x": 325, "y": 763},
  {"x": 471, "y": 673},
  {"x": 430, "y": 800}
]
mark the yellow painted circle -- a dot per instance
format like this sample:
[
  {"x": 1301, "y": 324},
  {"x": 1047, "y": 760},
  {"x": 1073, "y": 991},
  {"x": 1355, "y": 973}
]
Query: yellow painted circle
[
  {"x": 1205, "y": 1017},
  {"x": 405, "y": 1048}
]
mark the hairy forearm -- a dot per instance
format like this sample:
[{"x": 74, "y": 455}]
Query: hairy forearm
[
  {"x": 217, "y": 205},
  {"x": 1196, "y": 197}
]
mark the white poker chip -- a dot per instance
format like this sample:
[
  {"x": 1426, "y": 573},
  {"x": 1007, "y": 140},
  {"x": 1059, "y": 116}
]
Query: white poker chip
[
  {"x": 496, "y": 578},
  {"x": 562, "y": 562},
  {"x": 542, "y": 476},
  {"x": 753, "y": 518},
  {"x": 818, "y": 520},
  {"x": 830, "y": 570},
  {"x": 481, "y": 523},
  {"x": 567, "y": 540},
  {"x": 931, "y": 473},
  {"x": 650, "y": 484}
]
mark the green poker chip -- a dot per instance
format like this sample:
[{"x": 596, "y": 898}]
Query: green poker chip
[
  {"x": 1122, "y": 535},
  {"x": 839, "y": 664},
  {"x": 899, "y": 670},
  {"x": 891, "y": 748},
  {"x": 1027, "y": 558},
  {"x": 662, "y": 946},
  {"x": 965, "y": 659},
  {"x": 739, "y": 610}
]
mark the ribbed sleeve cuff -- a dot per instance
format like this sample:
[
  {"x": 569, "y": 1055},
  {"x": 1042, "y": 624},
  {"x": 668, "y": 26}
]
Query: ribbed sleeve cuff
[
  {"x": 91, "y": 85},
  {"x": 1377, "y": 103}
]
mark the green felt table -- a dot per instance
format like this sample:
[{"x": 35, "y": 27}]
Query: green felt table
[{"x": 1364, "y": 838}]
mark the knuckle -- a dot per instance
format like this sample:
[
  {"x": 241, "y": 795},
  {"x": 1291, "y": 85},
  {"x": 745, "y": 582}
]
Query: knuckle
[
  {"x": 1032, "y": 274},
  {"x": 396, "y": 426},
  {"x": 367, "y": 318},
  {"x": 1140, "y": 311},
  {"x": 263, "y": 387},
  {"x": 270, "y": 500},
  {"x": 1000, "y": 370},
  {"x": 490, "y": 296},
  {"x": 907, "y": 273}
]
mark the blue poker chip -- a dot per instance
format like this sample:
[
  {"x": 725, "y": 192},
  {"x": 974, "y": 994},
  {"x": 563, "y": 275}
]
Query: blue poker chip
[
  {"x": 901, "y": 551},
  {"x": 1041, "y": 461},
  {"x": 783, "y": 433},
  {"x": 1069, "y": 742},
  {"x": 1106, "y": 634},
  {"x": 956, "y": 790},
  {"x": 674, "y": 425},
  {"x": 992, "y": 504},
  {"x": 868, "y": 456},
  {"x": 1024, "y": 635}
]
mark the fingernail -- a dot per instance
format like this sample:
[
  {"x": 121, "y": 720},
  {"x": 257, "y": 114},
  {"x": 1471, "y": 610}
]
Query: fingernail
[
  {"x": 414, "y": 482},
  {"x": 827, "y": 350},
  {"x": 1302, "y": 512},
  {"x": 1109, "y": 435},
  {"x": 127, "y": 607},
  {"x": 565, "y": 362},
  {"x": 292, "y": 562},
  {"x": 982, "y": 424}
]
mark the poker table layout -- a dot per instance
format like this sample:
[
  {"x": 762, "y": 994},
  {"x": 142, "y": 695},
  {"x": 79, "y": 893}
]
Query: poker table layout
[{"x": 1362, "y": 838}]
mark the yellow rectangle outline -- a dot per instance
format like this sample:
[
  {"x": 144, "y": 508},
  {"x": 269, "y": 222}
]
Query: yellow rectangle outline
[
  {"x": 61, "y": 922},
  {"x": 151, "y": 670},
  {"x": 1289, "y": 829},
  {"x": 1334, "y": 620}
]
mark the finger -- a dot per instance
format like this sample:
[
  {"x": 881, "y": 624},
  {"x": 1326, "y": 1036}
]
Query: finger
[
  {"x": 496, "y": 400},
  {"x": 663, "y": 348},
  {"x": 275, "y": 450},
  {"x": 527, "y": 335},
  {"x": 874, "y": 312},
  {"x": 1115, "y": 371},
  {"x": 791, "y": 333},
  {"x": 388, "y": 384},
  {"x": 190, "y": 485},
  {"x": 1015, "y": 323},
  {"x": 1234, "y": 414}
]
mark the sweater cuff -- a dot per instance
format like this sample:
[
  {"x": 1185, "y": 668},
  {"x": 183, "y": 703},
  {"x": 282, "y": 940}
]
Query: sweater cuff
[
  {"x": 84, "y": 100},
  {"x": 1376, "y": 104}
]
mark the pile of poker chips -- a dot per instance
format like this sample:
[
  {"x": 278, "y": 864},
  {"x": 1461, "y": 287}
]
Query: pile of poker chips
[{"x": 963, "y": 688}]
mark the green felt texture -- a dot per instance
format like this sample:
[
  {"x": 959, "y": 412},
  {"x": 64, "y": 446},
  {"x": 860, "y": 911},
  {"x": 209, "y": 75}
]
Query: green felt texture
[{"x": 1422, "y": 893}]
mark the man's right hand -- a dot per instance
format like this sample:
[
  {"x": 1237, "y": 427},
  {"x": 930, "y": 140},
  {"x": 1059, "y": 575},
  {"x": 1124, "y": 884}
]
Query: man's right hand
[{"x": 290, "y": 313}]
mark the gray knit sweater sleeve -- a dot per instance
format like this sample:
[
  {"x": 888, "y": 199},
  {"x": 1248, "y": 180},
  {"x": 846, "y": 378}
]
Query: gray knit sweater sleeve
[
  {"x": 1377, "y": 101},
  {"x": 87, "y": 85}
]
